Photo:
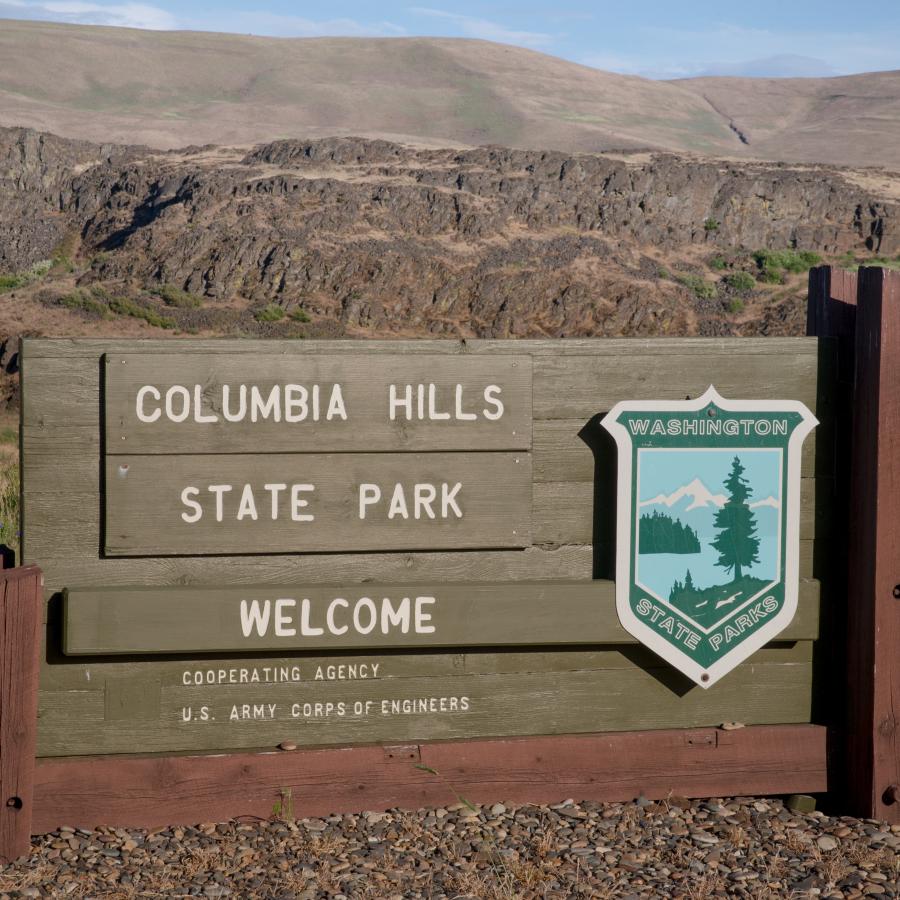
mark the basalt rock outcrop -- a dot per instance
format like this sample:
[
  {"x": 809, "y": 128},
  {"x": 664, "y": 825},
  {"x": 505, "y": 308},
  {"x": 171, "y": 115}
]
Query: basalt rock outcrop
[{"x": 370, "y": 237}]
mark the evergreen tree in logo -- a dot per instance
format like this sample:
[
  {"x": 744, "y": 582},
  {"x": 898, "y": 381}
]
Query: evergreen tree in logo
[{"x": 737, "y": 542}]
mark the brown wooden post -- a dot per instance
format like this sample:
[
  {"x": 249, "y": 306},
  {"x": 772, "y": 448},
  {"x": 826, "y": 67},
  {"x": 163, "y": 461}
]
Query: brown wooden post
[
  {"x": 20, "y": 628},
  {"x": 831, "y": 314},
  {"x": 873, "y": 622}
]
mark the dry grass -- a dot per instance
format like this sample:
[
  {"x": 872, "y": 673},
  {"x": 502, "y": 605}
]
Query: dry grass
[{"x": 9, "y": 488}]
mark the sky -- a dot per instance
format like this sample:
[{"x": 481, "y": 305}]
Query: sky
[{"x": 653, "y": 38}]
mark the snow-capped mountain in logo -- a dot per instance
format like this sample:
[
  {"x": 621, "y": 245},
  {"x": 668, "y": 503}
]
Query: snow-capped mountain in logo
[
  {"x": 699, "y": 494},
  {"x": 768, "y": 501}
]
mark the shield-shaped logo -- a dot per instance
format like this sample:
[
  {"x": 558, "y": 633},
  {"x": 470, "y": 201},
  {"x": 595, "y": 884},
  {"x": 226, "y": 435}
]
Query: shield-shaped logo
[{"x": 708, "y": 526}]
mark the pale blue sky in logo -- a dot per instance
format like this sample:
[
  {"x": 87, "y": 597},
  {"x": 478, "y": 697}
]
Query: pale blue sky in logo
[
  {"x": 663, "y": 472},
  {"x": 656, "y": 38}
]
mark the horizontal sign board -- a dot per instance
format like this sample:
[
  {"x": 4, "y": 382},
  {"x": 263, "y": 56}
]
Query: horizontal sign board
[
  {"x": 113, "y": 621},
  {"x": 254, "y": 403},
  {"x": 299, "y": 503}
]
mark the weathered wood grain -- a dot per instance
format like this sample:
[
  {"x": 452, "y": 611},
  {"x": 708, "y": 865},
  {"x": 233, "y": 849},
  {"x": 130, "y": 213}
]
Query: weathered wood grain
[
  {"x": 147, "y": 792},
  {"x": 590, "y": 699},
  {"x": 566, "y": 562},
  {"x": 20, "y": 622},
  {"x": 47, "y": 348},
  {"x": 451, "y": 411},
  {"x": 873, "y": 625},
  {"x": 62, "y": 473},
  {"x": 66, "y": 390},
  {"x": 141, "y": 620},
  {"x": 560, "y": 453},
  {"x": 489, "y": 503}
]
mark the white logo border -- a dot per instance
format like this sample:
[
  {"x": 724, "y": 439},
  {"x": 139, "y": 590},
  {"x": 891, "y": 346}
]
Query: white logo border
[{"x": 706, "y": 677}]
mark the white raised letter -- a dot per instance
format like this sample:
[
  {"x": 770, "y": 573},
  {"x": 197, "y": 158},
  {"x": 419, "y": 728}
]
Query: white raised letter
[
  {"x": 171, "y": 393},
  {"x": 197, "y": 513},
  {"x": 284, "y": 623},
  {"x": 298, "y": 503},
  {"x": 254, "y": 616},
  {"x": 139, "y": 404},
  {"x": 336, "y": 404},
  {"x": 448, "y": 499},
  {"x": 247, "y": 505},
  {"x": 368, "y": 495},
  {"x": 393, "y": 402},
  {"x": 489, "y": 397},
  {"x": 219, "y": 490}
]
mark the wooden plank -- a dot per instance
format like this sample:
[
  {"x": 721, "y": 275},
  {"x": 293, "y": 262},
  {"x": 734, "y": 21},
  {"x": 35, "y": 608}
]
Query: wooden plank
[
  {"x": 292, "y": 701},
  {"x": 532, "y": 563},
  {"x": 148, "y": 792},
  {"x": 66, "y": 391},
  {"x": 873, "y": 628},
  {"x": 20, "y": 624},
  {"x": 476, "y": 500},
  {"x": 141, "y": 620},
  {"x": 570, "y": 388},
  {"x": 560, "y": 454},
  {"x": 303, "y": 403},
  {"x": 74, "y": 348},
  {"x": 89, "y": 677}
]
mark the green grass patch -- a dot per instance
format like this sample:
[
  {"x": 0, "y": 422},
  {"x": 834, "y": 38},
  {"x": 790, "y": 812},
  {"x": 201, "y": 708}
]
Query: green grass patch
[
  {"x": 697, "y": 285},
  {"x": 736, "y": 305},
  {"x": 718, "y": 263},
  {"x": 271, "y": 313},
  {"x": 774, "y": 263},
  {"x": 9, "y": 503},
  {"x": 710, "y": 225},
  {"x": 740, "y": 281},
  {"x": 125, "y": 306},
  {"x": 86, "y": 302},
  {"x": 9, "y": 281},
  {"x": 299, "y": 315},
  {"x": 175, "y": 296},
  {"x": 663, "y": 273},
  {"x": 885, "y": 262}
]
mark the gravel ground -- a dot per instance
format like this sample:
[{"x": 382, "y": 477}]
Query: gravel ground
[{"x": 675, "y": 848}]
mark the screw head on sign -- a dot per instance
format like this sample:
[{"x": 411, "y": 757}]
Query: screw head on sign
[
  {"x": 891, "y": 795},
  {"x": 897, "y": 591}
]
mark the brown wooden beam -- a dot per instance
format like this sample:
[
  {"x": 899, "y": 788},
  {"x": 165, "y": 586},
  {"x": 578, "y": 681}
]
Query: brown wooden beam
[
  {"x": 166, "y": 790},
  {"x": 873, "y": 627},
  {"x": 21, "y": 607}
]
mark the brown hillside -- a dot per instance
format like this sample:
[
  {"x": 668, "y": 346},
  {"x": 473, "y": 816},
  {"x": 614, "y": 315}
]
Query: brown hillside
[{"x": 173, "y": 89}]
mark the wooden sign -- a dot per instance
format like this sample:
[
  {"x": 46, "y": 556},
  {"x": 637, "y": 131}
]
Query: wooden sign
[
  {"x": 250, "y": 454},
  {"x": 222, "y": 403},
  {"x": 252, "y": 542},
  {"x": 707, "y": 540},
  {"x": 300, "y": 503}
]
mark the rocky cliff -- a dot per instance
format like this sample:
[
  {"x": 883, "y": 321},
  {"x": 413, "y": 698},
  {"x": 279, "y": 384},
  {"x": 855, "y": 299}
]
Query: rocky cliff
[{"x": 358, "y": 237}]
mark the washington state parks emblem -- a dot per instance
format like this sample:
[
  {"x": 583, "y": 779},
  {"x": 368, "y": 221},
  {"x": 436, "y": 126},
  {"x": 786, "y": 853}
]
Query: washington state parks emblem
[{"x": 708, "y": 526}]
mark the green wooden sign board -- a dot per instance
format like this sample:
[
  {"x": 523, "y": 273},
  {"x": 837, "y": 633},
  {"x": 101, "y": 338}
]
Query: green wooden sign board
[
  {"x": 708, "y": 512},
  {"x": 249, "y": 542}
]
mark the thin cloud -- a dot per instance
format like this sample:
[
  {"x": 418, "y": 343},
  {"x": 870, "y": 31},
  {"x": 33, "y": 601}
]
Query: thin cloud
[
  {"x": 123, "y": 15},
  {"x": 276, "y": 25},
  {"x": 486, "y": 30}
]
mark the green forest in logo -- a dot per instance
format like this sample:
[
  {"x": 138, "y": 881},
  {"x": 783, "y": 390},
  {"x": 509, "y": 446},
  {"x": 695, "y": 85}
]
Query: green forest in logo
[{"x": 736, "y": 544}]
